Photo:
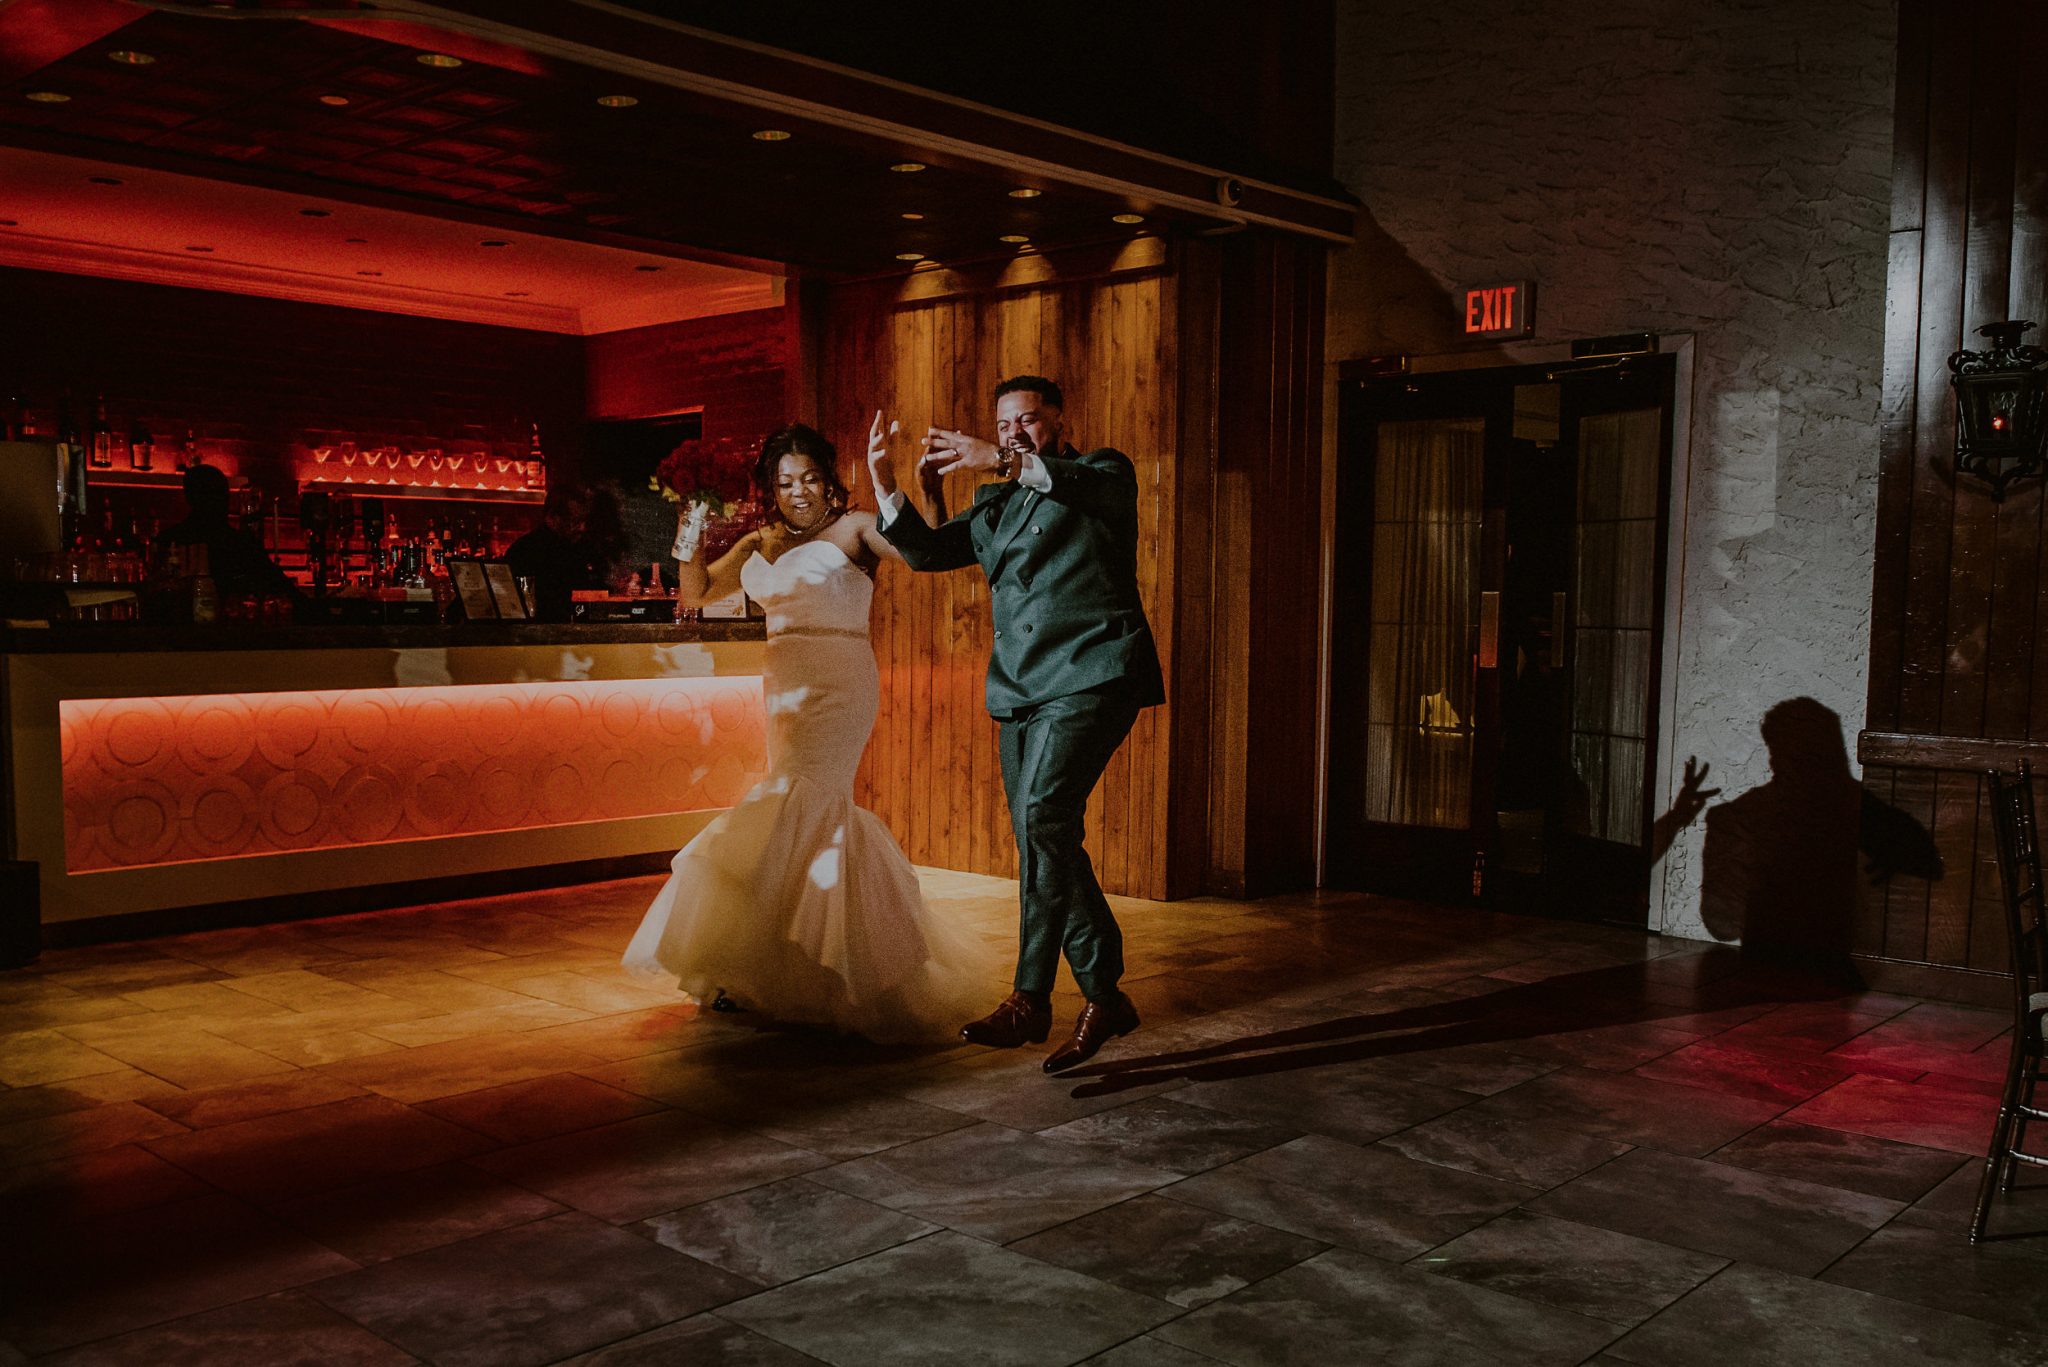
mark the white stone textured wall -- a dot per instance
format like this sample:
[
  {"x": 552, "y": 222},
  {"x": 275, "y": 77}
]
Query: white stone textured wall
[{"x": 1719, "y": 167}]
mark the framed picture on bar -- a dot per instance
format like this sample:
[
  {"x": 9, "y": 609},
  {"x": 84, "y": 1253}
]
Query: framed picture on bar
[
  {"x": 505, "y": 590},
  {"x": 731, "y": 608},
  {"x": 473, "y": 589}
]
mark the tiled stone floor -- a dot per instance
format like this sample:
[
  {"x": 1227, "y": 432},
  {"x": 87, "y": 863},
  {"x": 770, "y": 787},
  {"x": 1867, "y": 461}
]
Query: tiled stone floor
[{"x": 1353, "y": 1130}]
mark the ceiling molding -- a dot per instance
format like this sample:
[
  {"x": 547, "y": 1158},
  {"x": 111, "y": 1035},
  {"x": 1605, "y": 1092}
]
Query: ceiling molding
[
  {"x": 146, "y": 158},
  {"x": 740, "y": 297},
  {"x": 67, "y": 257},
  {"x": 159, "y": 268}
]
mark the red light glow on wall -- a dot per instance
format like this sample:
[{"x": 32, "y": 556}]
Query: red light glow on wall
[{"x": 225, "y": 776}]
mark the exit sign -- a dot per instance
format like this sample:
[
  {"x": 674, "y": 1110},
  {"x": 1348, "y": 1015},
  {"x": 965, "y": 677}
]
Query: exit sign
[{"x": 1507, "y": 309}]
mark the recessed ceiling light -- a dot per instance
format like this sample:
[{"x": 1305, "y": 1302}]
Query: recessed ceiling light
[
  {"x": 440, "y": 60},
  {"x": 914, "y": 217},
  {"x": 1025, "y": 192},
  {"x": 494, "y": 242},
  {"x": 910, "y": 256},
  {"x": 316, "y": 213},
  {"x": 618, "y": 101},
  {"x": 104, "y": 180},
  {"x": 49, "y": 97},
  {"x": 907, "y": 166},
  {"x": 1127, "y": 218},
  {"x": 129, "y": 57},
  {"x": 771, "y": 135},
  {"x": 198, "y": 249},
  {"x": 646, "y": 268},
  {"x": 369, "y": 272},
  {"x": 336, "y": 100},
  {"x": 1013, "y": 237}
]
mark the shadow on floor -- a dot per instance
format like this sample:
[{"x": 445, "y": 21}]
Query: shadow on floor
[{"x": 1625, "y": 994}]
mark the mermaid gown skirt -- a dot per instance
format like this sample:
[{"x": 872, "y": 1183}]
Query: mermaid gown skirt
[{"x": 797, "y": 901}]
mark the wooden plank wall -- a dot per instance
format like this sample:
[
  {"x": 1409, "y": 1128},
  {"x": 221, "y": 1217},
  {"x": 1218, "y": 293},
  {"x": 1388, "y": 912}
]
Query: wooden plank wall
[
  {"x": 929, "y": 351},
  {"x": 1265, "y": 563},
  {"x": 1959, "y": 636}
]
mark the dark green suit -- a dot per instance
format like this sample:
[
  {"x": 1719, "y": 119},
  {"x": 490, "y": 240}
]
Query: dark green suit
[{"x": 1072, "y": 665}]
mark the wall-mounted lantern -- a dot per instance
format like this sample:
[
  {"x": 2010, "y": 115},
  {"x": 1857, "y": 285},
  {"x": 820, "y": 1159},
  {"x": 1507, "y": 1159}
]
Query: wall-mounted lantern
[{"x": 2001, "y": 408}]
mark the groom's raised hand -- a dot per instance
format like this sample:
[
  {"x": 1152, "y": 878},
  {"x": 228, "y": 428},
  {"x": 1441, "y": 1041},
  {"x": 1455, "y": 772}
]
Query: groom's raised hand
[{"x": 946, "y": 451}]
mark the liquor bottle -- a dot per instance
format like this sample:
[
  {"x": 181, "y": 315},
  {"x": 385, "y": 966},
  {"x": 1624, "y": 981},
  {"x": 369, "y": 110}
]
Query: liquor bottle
[
  {"x": 67, "y": 425},
  {"x": 100, "y": 437},
  {"x": 141, "y": 450},
  {"x": 188, "y": 451},
  {"x": 205, "y": 600},
  {"x": 71, "y": 471}
]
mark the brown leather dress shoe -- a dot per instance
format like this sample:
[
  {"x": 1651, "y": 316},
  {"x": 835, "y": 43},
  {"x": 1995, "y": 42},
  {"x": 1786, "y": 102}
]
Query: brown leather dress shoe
[
  {"x": 1018, "y": 1020},
  {"x": 1100, "y": 1022}
]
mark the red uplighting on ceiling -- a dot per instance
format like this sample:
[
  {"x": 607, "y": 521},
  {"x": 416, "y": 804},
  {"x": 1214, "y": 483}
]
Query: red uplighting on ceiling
[{"x": 428, "y": 38}]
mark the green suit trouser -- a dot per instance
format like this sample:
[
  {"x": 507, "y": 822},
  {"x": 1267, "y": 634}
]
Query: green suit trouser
[{"x": 1053, "y": 754}]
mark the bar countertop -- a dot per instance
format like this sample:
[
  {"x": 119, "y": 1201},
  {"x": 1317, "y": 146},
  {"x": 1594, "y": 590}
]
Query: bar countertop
[{"x": 127, "y": 639}]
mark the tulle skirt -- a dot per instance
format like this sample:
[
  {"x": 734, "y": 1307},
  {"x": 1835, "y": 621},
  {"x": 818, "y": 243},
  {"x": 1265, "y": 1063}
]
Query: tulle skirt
[{"x": 797, "y": 902}]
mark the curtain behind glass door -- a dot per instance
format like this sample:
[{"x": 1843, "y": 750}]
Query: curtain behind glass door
[
  {"x": 1427, "y": 507},
  {"x": 1619, "y": 463}
]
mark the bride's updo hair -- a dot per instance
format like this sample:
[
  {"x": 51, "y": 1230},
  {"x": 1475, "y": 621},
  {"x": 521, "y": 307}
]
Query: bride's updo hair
[{"x": 798, "y": 439}]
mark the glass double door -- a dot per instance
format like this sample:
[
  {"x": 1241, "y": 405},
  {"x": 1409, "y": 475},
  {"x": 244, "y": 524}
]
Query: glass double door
[{"x": 1500, "y": 552}]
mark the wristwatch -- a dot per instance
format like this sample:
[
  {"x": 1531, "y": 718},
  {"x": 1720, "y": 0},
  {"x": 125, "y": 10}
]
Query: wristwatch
[{"x": 1006, "y": 462}]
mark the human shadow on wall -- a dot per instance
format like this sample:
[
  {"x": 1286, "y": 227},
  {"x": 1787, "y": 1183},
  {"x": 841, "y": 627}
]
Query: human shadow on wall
[{"x": 1779, "y": 864}]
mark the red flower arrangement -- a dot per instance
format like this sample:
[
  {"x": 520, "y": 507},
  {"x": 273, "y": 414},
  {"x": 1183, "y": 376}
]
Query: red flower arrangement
[{"x": 709, "y": 472}]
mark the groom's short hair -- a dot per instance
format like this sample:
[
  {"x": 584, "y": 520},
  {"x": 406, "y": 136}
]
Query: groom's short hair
[{"x": 1048, "y": 393}]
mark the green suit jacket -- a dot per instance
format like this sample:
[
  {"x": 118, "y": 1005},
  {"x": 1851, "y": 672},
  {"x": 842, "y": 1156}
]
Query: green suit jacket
[{"x": 1062, "y": 571}]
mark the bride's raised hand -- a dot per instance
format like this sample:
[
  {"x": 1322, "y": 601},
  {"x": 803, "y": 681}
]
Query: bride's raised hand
[{"x": 881, "y": 470}]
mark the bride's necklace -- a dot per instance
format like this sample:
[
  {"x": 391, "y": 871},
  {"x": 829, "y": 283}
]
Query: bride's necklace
[{"x": 796, "y": 533}]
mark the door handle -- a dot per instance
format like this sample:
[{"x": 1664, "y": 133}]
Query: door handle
[{"x": 1489, "y": 629}]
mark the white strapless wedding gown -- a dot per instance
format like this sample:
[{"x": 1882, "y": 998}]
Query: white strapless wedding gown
[{"x": 797, "y": 902}]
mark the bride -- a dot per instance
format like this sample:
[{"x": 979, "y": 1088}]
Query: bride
[{"x": 798, "y": 903}]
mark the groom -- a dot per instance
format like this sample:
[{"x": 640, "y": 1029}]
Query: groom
[{"x": 1073, "y": 664}]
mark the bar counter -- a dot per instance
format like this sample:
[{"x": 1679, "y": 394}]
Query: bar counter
[{"x": 159, "y": 769}]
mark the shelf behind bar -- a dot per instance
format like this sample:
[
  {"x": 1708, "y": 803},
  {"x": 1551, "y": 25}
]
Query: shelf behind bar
[
  {"x": 135, "y": 479},
  {"x": 335, "y": 486}
]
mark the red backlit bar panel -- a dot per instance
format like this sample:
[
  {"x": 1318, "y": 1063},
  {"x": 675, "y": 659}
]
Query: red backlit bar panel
[{"x": 181, "y": 779}]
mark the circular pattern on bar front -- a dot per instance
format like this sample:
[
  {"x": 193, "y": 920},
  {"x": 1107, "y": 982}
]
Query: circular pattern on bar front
[
  {"x": 141, "y": 823},
  {"x": 439, "y": 801},
  {"x": 166, "y": 780},
  {"x": 214, "y": 734},
  {"x": 222, "y": 815}
]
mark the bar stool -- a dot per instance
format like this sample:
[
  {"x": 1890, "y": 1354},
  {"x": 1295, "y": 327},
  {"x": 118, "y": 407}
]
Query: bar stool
[{"x": 2019, "y": 870}]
